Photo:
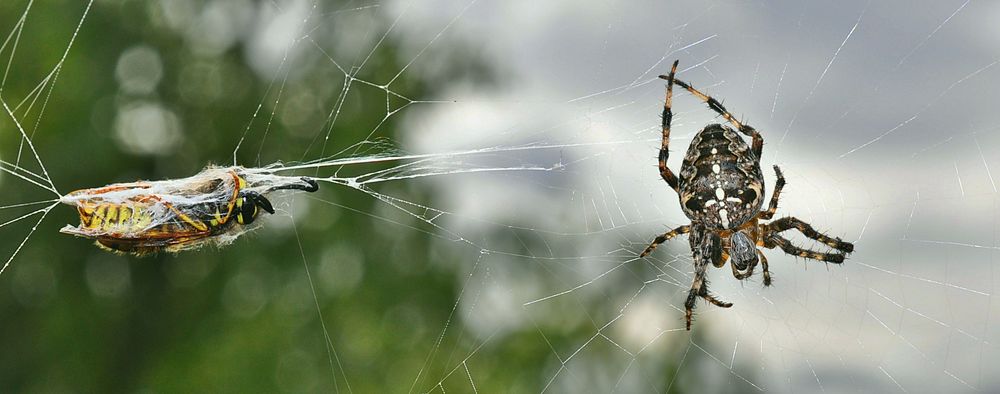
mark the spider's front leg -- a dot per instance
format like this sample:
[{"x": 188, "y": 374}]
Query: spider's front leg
[
  {"x": 664, "y": 238},
  {"x": 699, "y": 288},
  {"x": 757, "y": 146},
  {"x": 665, "y": 172},
  {"x": 707, "y": 248}
]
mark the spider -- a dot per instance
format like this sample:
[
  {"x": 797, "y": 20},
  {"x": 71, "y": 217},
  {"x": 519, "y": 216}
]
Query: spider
[
  {"x": 721, "y": 189},
  {"x": 146, "y": 217}
]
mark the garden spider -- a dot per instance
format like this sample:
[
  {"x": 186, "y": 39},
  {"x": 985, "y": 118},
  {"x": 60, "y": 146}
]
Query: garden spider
[{"x": 721, "y": 189}]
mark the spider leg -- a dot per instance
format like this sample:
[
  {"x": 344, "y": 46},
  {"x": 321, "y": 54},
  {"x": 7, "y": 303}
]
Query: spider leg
[
  {"x": 758, "y": 141},
  {"x": 723, "y": 258},
  {"x": 699, "y": 288},
  {"x": 664, "y": 238},
  {"x": 774, "y": 239},
  {"x": 773, "y": 205},
  {"x": 787, "y": 223},
  {"x": 763, "y": 263},
  {"x": 665, "y": 172},
  {"x": 710, "y": 298},
  {"x": 703, "y": 256}
]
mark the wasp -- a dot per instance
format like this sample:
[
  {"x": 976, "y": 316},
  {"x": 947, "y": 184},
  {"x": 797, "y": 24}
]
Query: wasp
[{"x": 215, "y": 205}]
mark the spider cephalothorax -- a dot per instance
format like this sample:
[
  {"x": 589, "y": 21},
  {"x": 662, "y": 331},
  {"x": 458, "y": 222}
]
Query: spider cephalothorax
[{"x": 721, "y": 189}]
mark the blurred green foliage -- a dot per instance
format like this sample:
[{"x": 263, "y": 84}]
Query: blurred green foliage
[
  {"x": 237, "y": 319},
  {"x": 247, "y": 317}
]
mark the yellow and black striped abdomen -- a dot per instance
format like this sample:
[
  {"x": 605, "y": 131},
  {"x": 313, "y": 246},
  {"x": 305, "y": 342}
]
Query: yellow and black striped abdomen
[
  {"x": 147, "y": 227},
  {"x": 111, "y": 218}
]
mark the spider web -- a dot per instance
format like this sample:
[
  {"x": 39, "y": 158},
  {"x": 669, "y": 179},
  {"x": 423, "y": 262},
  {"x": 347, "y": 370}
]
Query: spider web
[{"x": 540, "y": 189}]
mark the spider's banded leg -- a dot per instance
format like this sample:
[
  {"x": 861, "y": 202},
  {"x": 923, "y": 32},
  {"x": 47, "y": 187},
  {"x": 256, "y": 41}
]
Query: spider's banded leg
[
  {"x": 664, "y": 238},
  {"x": 763, "y": 264},
  {"x": 776, "y": 240},
  {"x": 710, "y": 298},
  {"x": 696, "y": 286},
  {"x": 773, "y": 206},
  {"x": 788, "y": 223},
  {"x": 665, "y": 172},
  {"x": 699, "y": 288},
  {"x": 715, "y": 105}
]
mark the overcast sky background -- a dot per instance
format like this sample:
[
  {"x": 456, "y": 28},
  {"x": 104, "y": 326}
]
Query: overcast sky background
[{"x": 881, "y": 113}]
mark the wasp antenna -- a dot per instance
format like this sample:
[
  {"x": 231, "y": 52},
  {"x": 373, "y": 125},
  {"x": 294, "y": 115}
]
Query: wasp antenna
[
  {"x": 313, "y": 185},
  {"x": 310, "y": 186},
  {"x": 261, "y": 201},
  {"x": 264, "y": 204}
]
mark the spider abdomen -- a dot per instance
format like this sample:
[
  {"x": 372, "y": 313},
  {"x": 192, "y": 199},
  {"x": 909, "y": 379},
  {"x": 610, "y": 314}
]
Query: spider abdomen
[{"x": 721, "y": 184}]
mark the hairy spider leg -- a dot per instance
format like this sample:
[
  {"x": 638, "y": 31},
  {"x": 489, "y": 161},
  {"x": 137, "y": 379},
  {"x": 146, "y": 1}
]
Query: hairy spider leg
[
  {"x": 705, "y": 253},
  {"x": 790, "y": 222},
  {"x": 773, "y": 205},
  {"x": 665, "y": 172},
  {"x": 710, "y": 298},
  {"x": 774, "y": 239},
  {"x": 664, "y": 238},
  {"x": 763, "y": 264},
  {"x": 699, "y": 288},
  {"x": 758, "y": 141}
]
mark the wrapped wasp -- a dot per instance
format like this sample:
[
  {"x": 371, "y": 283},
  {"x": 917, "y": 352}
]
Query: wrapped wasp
[{"x": 212, "y": 207}]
